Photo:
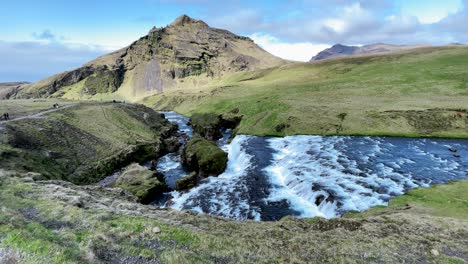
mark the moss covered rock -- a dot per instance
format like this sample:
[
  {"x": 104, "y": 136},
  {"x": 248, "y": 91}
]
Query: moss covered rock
[
  {"x": 209, "y": 125},
  {"x": 141, "y": 182},
  {"x": 187, "y": 182},
  {"x": 204, "y": 156},
  {"x": 206, "y": 125},
  {"x": 230, "y": 120}
]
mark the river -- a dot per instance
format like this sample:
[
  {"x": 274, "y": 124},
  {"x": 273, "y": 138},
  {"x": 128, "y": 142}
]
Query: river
[{"x": 268, "y": 178}]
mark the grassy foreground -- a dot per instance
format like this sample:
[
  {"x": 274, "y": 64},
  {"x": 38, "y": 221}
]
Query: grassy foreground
[
  {"x": 422, "y": 92},
  {"x": 73, "y": 224}
]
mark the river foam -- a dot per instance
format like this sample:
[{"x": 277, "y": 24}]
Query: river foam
[
  {"x": 327, "y": 176},
  {"x": 223, "y": 195}
]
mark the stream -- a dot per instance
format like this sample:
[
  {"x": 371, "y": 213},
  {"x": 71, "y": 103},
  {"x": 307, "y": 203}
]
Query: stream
[{"x": 268, "y": 178}]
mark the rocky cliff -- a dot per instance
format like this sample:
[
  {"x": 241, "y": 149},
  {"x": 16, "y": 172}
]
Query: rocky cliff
[{"x": 161, "y": 60}]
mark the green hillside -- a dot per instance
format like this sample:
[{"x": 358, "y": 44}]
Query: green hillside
[
  {"x": 81, "y": 142},
  {"x": 421, "y": 92}
]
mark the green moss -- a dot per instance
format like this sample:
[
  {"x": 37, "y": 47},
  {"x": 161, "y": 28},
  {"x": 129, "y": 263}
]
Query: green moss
[
  {"x": 141, "y": 182},
  {"x": 206, "y": 125},
  {"x": 204, "y": 156}
]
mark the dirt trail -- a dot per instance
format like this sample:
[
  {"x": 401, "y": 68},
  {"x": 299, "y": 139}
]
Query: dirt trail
[{"x": 36, "y": 115}]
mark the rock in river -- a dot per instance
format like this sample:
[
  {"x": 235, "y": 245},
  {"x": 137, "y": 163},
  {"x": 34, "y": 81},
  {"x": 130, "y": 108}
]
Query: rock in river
[
  {"x": 141, "y": 182},
  {"x": 204, "y": 156},
  {"x": 187, "y": 182}
]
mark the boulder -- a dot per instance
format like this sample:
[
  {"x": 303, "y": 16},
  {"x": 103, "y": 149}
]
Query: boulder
[
  {"x": 204, "y": 156},
  {"x": 208, "y": 125},
  {"x": 187, "y": 182},
  {"x": 230, "y": 120},
  {"x": 141, "y": 182},
  {"x": 172, "y": 144}
]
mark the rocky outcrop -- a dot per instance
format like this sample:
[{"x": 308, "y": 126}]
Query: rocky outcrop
[
  {"x": 158, "y": 61},
  {"x": 209, "y": 125},
  {"x": 204, "y": 157},
  {"x": 145, "y": 184},
  {"x": 206, "y": 125},
  {"x": 105, "y": 80}
]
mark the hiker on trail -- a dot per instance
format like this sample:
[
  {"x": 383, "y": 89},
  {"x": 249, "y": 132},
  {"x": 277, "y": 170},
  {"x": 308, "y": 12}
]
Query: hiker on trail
[
  {"x": 8, "y": 116},
  {"x": 4, "y": 116}
]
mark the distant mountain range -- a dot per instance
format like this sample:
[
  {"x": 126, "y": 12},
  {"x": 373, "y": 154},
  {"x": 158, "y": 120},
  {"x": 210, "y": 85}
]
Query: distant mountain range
[{"x": 340, "y": 50}]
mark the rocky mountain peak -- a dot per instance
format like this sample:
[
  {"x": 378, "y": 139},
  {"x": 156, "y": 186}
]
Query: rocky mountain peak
[
  {"x": 160, "y": 61},
  {"x": 184, "y": 20}
]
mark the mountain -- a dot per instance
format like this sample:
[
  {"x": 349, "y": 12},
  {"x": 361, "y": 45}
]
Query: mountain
[
  {"x": 340, "y": 50},
  {"x": 9, "y": 89},
  {"x": 185, "y": 53}
]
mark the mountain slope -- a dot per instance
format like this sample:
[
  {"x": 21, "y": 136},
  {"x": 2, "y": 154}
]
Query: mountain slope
[
  {"x": 9, "y": 89},
  {"x": 187, "y": 49},
  {"x": 339, "y": 50}
]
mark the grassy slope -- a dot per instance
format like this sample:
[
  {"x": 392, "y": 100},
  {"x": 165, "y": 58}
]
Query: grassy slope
[
  {"x": 445, "y": 200},
  {"x": 74, "y": 142},
  {"x": 343, "y": 96},
  {"x": 87, "y": 225}
]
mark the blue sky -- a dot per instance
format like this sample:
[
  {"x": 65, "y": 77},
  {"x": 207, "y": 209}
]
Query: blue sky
[{"x": 39, "y": 38}]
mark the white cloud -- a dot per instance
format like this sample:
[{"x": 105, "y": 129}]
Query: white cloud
[
  {"x": 301, "y": 51},
  {"x": 338, "y": 25},
  {"x": 432, "y": 11}
]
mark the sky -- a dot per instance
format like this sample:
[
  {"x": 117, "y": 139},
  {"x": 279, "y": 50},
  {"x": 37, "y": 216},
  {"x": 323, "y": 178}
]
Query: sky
[{"x": 40, "y": 38}]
